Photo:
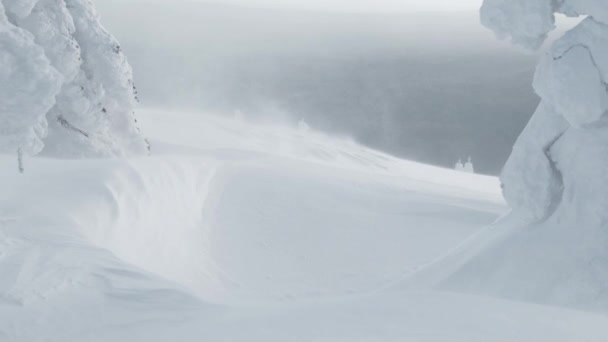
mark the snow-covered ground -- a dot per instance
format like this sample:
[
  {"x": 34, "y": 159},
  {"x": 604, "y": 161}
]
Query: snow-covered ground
[{"x": 237, "y": 232}]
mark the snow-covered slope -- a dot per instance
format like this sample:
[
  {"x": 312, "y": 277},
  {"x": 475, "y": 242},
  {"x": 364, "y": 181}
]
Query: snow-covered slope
[{"x": 237, "y": 232}]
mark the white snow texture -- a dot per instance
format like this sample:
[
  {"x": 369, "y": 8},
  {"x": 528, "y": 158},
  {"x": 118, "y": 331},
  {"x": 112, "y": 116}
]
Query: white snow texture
[
  {"x": 236, "y": 232},
  {"x": 65, "y": 87}
]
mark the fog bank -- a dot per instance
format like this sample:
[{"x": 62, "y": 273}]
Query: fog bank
[{"x": 428, "y": 86}]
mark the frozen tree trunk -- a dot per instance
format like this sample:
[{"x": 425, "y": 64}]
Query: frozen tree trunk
[{"x": 20, "y": 166}]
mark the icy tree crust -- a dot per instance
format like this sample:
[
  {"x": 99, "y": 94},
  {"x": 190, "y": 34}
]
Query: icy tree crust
[
  {"x": 571, "y": 81},
  {"x": 556, "y": 179},
  {"x": 528, "y": 22},
  {"x": 67, "y": 89}
]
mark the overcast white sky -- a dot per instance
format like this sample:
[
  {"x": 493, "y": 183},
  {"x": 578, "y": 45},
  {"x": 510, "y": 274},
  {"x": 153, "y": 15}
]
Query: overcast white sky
[{"x": 362, "y": 5}]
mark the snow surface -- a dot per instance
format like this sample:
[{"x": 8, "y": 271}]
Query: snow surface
[{"x": 237, "y": 232}]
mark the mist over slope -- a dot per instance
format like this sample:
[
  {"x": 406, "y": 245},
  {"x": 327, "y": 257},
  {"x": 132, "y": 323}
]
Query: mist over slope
[{"x": 426, "y": 86}]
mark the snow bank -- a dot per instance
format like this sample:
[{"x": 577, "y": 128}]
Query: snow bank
[
  {"x": 241, "y": 231},
  {"x": 64, "y": 76},
  {"x": 562, "y": 260},
  {"x": 212, "y": 238},
  {"x": 212, "y": 232},
  {"x": 314, "y": 218}
]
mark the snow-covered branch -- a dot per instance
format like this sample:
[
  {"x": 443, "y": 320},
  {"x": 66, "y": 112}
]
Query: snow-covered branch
[{"x": 58, "y": 66}]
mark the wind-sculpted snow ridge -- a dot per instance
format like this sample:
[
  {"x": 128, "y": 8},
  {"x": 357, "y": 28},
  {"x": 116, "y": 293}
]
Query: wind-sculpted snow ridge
[
  {"x": 231, "y": 232},
  {"x": 66, "y": 88},
  {"x": 555, "y": 180},
  {"x": 203, "y": 218}
]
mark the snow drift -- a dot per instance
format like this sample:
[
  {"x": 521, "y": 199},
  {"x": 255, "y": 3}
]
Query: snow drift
[
  {"x": 229, "y": 225},
  {"x": 236, "y": 223},
  {"x": 231, "y": 232},
  {"x": 235, "y": 233}
]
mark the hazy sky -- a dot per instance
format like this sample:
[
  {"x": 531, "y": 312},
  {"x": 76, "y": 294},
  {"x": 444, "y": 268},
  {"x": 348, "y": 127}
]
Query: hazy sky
[{"x": 362, "y": 5}]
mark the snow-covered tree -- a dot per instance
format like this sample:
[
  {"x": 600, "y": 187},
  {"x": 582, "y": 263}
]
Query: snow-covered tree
[
  {"x": 303, "y": 127},
  {"x": 78, "y": 85},
  {"x": 553, "y": 247},
  {"x": 465, "y": 167},
  {"x": 28, "y": 85},
  {"x": 459, "y": 166},
  {"x": 571, "y": 79},
  {"x": 106, "y": 79},
  {"x": 468, "y": 166}
]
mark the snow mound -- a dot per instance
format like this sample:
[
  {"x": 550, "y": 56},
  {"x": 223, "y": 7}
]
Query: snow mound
[
  {"x": 236, "y": 232},
  {"x": 235, "y": 224},
  {"x": 562, "y": 260}
]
